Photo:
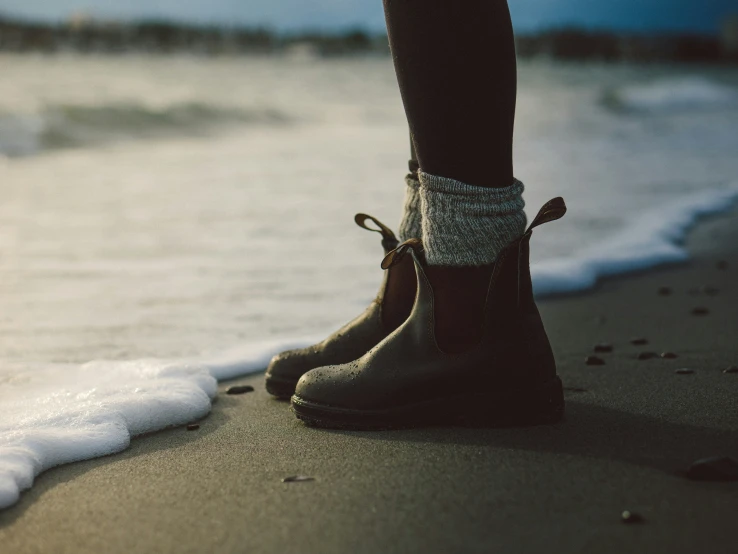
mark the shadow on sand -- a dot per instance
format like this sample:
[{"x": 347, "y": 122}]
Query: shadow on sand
[{"x": 591, "y": 431}]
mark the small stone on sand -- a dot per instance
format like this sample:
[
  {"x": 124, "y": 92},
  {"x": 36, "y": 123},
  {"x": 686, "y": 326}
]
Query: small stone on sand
[
  {"x": 594, "y": 360},
  {"x": 668, "y": 355},
  {"x": 240, "y": 389},
  {"x": 684, "y": 371},
  {"x": 193, "y": 426},
  {"x": 647, "y": 355},
  {"x": 714, "y": 469},
  {"x": 639, "y": 341},
  {"x": 665, "y": 291},
  {"x": 631, "y": 517},
  {"x": 731, "y": 369},
  {"x": 603, "y": 347},
  {"x": 721, "y": 264},
  {"x": 700, "y": 310},
  {"x": 297, "y": 479}
]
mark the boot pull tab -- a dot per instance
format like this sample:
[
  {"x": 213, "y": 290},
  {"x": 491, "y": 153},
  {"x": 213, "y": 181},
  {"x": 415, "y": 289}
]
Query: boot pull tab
[
  {"x": 389, "y": 240},
  {"x": 551, "y": 211},
  {"x": 398, "y": 253}
]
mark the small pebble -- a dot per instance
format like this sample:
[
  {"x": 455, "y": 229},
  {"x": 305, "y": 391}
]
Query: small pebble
[
  {"x": 700, "y": 310},
  {"x": 722, "y": 264},
  {"x": 631, "y": 517},
  {"x": 603, "y": 347},
  {"x": 714, "y": 469},
  {"x": 647, "y": 355},
  {"x": 684, "y": 371},
  {"x": 668, "y": 355},
  {"x": 731, "y": 369},
  {"x": 665, "y": 291},
  {"x": 594, "y": 360},
  {"x": 193, "y": 426},
  {"x": 710, "y": 291},
  {"x": 639, "y": 341},
  {"x": 240, "y": 389},
  {"x": 297, "y": 479}
]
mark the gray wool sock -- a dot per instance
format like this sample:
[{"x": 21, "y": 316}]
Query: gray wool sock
[
  {"x": 410, "y": 227},
  {"x": 465, "y": 225}
]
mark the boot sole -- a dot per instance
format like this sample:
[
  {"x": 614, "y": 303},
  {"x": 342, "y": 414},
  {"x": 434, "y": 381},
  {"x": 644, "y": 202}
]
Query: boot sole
[
  {"x": 281, "y": 388},
  {"x": 500, "y": 408}
]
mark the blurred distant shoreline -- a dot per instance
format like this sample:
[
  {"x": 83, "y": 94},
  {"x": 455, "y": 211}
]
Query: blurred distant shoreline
[{"x": 85, "y": 35}]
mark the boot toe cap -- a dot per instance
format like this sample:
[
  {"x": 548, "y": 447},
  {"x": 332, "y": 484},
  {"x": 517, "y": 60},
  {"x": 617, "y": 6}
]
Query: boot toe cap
[
  {"x": 329, "y": 385},
  {"x": 292, "y": 364}
]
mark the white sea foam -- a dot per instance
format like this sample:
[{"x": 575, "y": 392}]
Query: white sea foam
[
  {"x": 673, "y": 94},
  {"x": 654, "y": 238},
  {"x": 56, "y": 415}
]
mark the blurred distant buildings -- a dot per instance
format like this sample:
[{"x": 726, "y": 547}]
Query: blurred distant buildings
[
  {"x": 83, "y": 34},
  {"x": 577, "y": 44}
]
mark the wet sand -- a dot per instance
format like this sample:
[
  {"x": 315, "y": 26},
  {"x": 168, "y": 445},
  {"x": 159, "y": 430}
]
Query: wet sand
[{"x": 632, "y": 428}]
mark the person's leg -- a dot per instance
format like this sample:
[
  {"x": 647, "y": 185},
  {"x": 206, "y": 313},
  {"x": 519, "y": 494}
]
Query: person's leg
[
  {"x": 473, "y": 349},
  {"x": 455, "y": 63}
]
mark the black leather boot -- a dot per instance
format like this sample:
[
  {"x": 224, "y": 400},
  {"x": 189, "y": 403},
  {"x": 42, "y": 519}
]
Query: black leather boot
[
  {"x": 358, "y": 336},
  {"x": 507, "y": 378}
]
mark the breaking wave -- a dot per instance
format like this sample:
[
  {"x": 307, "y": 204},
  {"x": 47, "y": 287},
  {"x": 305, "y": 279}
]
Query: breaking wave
[
  {"x": 69, "y": 125},
  {"x": 670, "y": 95},
  {"x": 652, "y": 239}
]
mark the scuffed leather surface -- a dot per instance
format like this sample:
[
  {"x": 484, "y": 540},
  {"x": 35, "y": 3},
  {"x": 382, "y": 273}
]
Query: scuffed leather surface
[
  {"x": 408, "y": 366},
  {"x": 348, "y": 343}
]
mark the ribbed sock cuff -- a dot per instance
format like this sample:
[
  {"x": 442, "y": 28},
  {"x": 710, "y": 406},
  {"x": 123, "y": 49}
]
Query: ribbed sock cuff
[
  {"x": 410, "y": 225},
  {"x": 465, "y": 225}
]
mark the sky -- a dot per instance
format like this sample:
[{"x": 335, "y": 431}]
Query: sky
[{"x": 701, "y": 16}]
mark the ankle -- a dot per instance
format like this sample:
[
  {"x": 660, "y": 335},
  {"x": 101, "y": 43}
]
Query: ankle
[{"x": 465, "y": 225}]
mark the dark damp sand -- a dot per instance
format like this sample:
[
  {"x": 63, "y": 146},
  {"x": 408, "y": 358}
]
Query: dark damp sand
[{"x": 627, "y": 436}]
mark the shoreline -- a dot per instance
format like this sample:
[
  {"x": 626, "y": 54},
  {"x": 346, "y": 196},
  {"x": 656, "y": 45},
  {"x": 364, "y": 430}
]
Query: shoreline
[
  {"x": 632, "y": 427},
  {"x": 652, "y": 240},
  {"x": 656, "y": 239}
]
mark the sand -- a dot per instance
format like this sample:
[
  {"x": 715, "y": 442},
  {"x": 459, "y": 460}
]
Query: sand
[{"x": 632, "y": 428}]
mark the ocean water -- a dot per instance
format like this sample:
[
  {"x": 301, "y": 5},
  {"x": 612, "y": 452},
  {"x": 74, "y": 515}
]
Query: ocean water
[{"x": 167, "y": 222}]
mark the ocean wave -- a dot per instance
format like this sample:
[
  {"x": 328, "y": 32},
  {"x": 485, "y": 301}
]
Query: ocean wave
[
  {"x": 70, "y": 125},
  {"x": 671, "y": 95},
  {"x": 652, "y": 239}
]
